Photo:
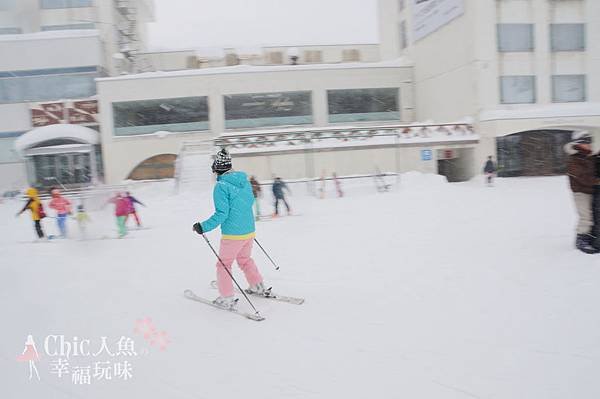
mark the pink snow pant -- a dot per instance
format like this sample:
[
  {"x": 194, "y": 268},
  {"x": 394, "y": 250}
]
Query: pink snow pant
[{"x": 240, "y": 250}]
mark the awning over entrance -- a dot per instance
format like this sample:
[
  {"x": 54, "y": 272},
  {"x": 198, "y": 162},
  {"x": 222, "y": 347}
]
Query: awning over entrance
[
  {"x": 62, "y": 154},
  {"x": 60, "y": 134}
]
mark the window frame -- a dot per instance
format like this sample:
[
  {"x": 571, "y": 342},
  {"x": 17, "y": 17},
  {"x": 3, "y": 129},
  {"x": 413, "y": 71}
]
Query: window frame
[
  {"x": 68, "y": 4},
  {"x": 583, "y": 37},
  {"x": 344, "y": 117},
  {"x": 123, "y": 129},
  {"x": 499, "y": 47},
  {"x": 584, "y": 88},
  {"x": 232, "y": 123},
  {"x": 502, "y": 91}
]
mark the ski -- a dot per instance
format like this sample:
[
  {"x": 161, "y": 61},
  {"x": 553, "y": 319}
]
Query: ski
[
  {"x": 270, "y": 295},
  {"x": 189, "y": 294}
]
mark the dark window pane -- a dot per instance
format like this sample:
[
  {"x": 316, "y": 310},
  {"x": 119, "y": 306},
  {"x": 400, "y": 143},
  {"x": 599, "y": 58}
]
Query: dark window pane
[
  {"x": 167, "y": 114},
  {"x": 517, "y": 89},
  {"x": 10, "y": 31},
  {"x": 47, "y": 87},
  {"x": 49, "y": 4},
  {"x": 88, "y": 25},
  {"x": 268, "y": 109},
  {"x": 568, "y": 88},
  {"x": 567, "y": 37},
  {"x": 515, "y": 37},
  {"x": 351, "y": 105}
]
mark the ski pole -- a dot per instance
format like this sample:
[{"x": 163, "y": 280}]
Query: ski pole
[
  {"x": 274, "y": 264},
  {"x": 230, "y": 275}
]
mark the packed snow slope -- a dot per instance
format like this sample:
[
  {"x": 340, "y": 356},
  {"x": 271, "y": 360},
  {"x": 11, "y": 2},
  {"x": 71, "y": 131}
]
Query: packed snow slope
[{"x": 433, "y": 290}]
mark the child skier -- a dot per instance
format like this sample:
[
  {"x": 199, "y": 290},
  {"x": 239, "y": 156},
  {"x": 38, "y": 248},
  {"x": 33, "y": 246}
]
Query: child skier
[
  {"x": 62, "y": 206},
  {"x": 37, "y": 211},
  {"x": 82, "y": 220},
  {"x": 132, "y": 211},
  {"x": 581, "y": 169},
  {"x": 233, "y": 202},
  {"x": 121, "y": 211}
]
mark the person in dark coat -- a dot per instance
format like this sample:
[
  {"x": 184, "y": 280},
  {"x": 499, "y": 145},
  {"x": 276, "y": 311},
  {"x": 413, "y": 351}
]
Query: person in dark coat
[
  {"x": 581, "y": 169},
  {"x": 489, "y": 169},
  {"x": 278, "y": 192}
]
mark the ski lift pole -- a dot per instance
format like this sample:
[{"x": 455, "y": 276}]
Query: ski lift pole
[{"x": 231, "y": 275}]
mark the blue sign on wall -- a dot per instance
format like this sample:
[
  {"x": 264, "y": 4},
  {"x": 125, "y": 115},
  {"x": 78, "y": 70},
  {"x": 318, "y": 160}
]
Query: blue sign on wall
[{"x": 426, "y": 155}]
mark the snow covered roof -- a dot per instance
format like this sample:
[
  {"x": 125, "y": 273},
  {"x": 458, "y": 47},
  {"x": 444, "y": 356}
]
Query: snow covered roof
[
  {"x": 541, "y": 111},
  {"x": 398, "y": 63},
  {"x": 54, "y": 132}
]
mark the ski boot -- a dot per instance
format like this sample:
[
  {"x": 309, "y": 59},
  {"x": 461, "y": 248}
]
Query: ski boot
[
  {"x": 258, "y": 289},
  {"x": 226, "y": 302},
  {"x": 584, "y": 244}
]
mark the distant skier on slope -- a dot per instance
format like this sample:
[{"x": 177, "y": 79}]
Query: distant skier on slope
[
  {"x": 233, "y": 200},
  {"x": 489, "y": 169},
  {"x": 581, "y": 169},
  {"x": 278, "y": 187},
  {"x": 37, "y": 211},
  {"x": 132, "y": 211},
  {"x": 62, "y": 206},
  {"x": 257, "y": 192},
  {"x": 121, "y": 211}
]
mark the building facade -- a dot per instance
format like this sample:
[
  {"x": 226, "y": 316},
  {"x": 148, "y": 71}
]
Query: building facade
[
  {"x": 52, "y": 52},
  {"x": 152, "y": 114},
  {"x": 526, "y": 71}
]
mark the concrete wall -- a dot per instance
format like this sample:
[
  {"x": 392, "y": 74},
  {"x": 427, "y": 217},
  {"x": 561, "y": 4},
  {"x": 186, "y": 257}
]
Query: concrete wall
[
  {"x": 13, "y": 176},
  {"x": 352, "y": 161},
  {"x": 457, "y": 67},
  {"x": 122, "y": 154}
]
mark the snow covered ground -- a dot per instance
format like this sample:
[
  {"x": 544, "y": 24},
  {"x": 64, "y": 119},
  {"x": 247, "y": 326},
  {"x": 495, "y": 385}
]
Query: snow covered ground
[{"x": 434, "y": 290}]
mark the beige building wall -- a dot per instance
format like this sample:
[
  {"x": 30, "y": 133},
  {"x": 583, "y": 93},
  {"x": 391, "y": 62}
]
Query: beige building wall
[
  {"x": 123, "y": 154},
  {"x": 458, "y": 67}
]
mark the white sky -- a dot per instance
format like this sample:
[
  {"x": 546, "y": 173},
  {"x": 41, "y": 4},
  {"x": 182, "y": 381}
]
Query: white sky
[{"x": 185, "y": 24}]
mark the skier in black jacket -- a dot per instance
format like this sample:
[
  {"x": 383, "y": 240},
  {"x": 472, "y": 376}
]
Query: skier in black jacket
[
  {"x": 278, "y": 187},
  {"x": 489, "y": 169}
]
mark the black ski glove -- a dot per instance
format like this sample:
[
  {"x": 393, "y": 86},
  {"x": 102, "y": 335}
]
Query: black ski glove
[{"x": 197, "y": 227}]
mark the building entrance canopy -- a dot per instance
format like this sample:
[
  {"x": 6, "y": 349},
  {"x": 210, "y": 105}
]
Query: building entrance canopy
[{"x": 62, "y": 154}]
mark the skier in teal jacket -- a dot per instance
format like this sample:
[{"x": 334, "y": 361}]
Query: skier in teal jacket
[{"x": 233, "y": 201}]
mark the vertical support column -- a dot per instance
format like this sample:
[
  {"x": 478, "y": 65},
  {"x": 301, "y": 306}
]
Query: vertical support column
[
  {"x": 320, "y": 109},
  {"x": 93, "y": 165},
  {"x": 541, "y": 18},
  {"x": 216, "y": 113}
]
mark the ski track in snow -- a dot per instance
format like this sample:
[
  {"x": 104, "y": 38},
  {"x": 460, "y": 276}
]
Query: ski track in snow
[{"x": 433, "y": 290}]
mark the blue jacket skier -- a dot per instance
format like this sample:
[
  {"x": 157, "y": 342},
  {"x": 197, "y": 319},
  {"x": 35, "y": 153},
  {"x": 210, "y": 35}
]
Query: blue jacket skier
[{"x": 233, "y": 201}]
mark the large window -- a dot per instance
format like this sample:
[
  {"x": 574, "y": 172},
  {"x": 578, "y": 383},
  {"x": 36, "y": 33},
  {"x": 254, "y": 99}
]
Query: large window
[
  {"x": 167, "y": 114},
  {"x": 515, "y": 37},
  {"x": 49, "y": 84},
  {"x": 89, "y": 25},
  {"x": 567, "y": 37},
  {"x": 66, "y": 3},
  {"x": 568, "y": 88},
  {"x": 517, "y": 89},
  {"x": 268, "y": 109},
  {"x": 7, "y": 5},
  {"x": 351, "y": 105},
  {"x": 10, "y": 31}
]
